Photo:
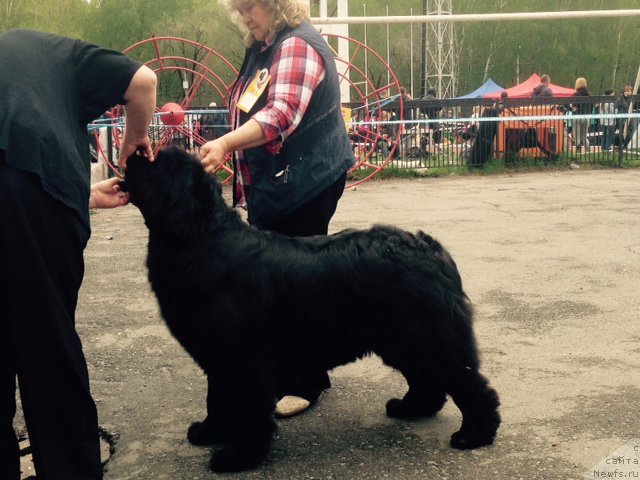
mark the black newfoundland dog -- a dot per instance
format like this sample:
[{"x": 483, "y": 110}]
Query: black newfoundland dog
[{"x": 244, "y": 303}]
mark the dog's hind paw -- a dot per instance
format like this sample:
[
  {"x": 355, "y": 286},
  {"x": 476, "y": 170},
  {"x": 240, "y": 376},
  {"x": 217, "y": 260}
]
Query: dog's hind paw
[
  {"x": 201, "y": 433},
  {"x": 470, "y": 440}
]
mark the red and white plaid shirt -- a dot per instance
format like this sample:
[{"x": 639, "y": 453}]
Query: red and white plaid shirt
[{"x": 296, "y": 71}]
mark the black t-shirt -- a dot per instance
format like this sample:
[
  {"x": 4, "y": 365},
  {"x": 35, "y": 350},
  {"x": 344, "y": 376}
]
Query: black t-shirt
[{"x": 52, "y": 87}]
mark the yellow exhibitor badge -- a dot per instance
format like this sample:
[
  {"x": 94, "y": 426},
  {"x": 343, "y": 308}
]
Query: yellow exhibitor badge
[{"x": 254, "y": 90}]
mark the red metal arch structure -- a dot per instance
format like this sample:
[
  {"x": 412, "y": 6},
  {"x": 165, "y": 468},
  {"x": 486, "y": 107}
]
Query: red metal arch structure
[
  {"x": 212, "y": 74},
  {"x": 370, "y": 130}
]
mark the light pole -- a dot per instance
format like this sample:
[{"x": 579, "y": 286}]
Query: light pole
[{"x": 518, "y": 66}]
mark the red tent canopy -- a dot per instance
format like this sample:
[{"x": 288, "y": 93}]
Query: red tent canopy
[{"x": 524, "y": 89}]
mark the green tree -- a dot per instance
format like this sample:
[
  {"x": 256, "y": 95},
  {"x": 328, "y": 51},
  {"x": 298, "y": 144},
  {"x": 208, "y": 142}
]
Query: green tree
[
  {"x": 605, "y": 50},
  {"x": 56, "y": 16}
]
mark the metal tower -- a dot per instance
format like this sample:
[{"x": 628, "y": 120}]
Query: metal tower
[{"x": 438, "y": 53}]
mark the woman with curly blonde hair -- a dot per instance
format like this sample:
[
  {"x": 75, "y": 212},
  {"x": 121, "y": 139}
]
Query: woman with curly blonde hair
[
  {"x": 290, "y": 147},
  {"x": 290, "y": 13}
]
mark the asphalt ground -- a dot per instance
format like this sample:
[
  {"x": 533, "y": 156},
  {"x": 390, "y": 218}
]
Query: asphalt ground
[{"x": 550, "y": 261}]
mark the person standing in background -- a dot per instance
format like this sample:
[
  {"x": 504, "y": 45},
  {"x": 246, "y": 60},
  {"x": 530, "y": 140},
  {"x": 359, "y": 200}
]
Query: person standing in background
[
  {"x": 581, "y": 125},
  {"x": 626, "y": 126},
  {"x": 608, "y": 124},
  {"x": 543, "y": 89}
]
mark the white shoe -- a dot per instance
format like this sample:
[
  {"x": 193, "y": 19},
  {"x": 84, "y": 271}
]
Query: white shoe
[{"x": 290, "y": 405}]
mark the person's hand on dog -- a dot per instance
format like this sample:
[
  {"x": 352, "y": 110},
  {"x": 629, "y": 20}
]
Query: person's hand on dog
[
  {"x": 130, "y": 145},
  {"x": 212, "y": 154},
  {"x": 107, "y": 194}
]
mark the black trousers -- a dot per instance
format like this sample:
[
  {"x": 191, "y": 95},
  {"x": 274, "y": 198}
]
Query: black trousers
[
  {"x": 311, "y": 219},
  {"x": 41, "y": 253}
]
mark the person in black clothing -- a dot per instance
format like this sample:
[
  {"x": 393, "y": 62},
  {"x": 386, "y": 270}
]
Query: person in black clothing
[
  {"x": 543, "y": 89},
  {"x": 630, "y": 124},
  {"x": 481, "y": 150},
  {"x": 608, "y": 125},
  {"x": 581, "y": 125},
  {"x": 433, "y": 110},
  {"x": 501, "y": 104},
  {"x": 52, "y": 88}
]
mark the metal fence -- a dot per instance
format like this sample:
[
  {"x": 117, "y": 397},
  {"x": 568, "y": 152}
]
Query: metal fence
[
  {"x": 451, "y": 133},
  {"x": 474, "y": 133}
]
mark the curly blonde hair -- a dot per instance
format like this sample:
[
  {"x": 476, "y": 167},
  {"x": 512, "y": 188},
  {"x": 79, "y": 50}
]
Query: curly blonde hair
[{"x": 284, "y": 13}]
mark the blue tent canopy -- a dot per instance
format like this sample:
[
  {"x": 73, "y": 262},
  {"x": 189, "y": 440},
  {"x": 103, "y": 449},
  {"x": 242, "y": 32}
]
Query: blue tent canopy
[{"x": 487, "y": 87}]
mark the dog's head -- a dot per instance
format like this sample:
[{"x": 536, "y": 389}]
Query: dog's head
[{"x": 174, "y": 193}]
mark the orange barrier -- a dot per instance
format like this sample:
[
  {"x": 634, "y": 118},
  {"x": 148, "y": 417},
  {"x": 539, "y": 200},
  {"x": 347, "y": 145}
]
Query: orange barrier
[{"x": 531, "y": 138}]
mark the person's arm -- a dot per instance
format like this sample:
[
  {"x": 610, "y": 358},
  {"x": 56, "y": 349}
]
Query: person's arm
[
  {"x": 246, "y": 136},
  {"x": 296, "y": 71},
  {"x": 140, "y": 105},
  {"x": 107, "y": 194}
]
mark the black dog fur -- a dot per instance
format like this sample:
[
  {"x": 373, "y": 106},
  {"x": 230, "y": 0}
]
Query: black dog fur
[{"x": 244, "y": 303}]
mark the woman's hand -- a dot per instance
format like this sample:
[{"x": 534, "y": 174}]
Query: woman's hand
[{"x": 212, "y": 155}]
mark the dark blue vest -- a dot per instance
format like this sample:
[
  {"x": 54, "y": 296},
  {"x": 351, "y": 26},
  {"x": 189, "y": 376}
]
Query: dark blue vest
[{"x": 314, "y": 156}]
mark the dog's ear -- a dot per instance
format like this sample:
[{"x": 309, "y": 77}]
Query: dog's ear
[
  {"x": 137, "y": 156},
  {"x": 206, "y": 189}
]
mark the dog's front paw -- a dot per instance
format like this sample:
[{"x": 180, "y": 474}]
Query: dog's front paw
[
  {"x": 201, "y": 433},
  {"x": 407, "y": 409},
  {"x": 395, "y": 408},
  {"x": 468, "y": 440},
  {"x": 236, "y": 459}
]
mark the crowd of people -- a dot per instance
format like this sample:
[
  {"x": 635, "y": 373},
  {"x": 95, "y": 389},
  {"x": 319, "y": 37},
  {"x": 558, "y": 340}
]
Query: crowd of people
[
  {"x": 608, "y": 129},
  {"x": 602, "y": 132},
  {"x": 376, "y": 129}
]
